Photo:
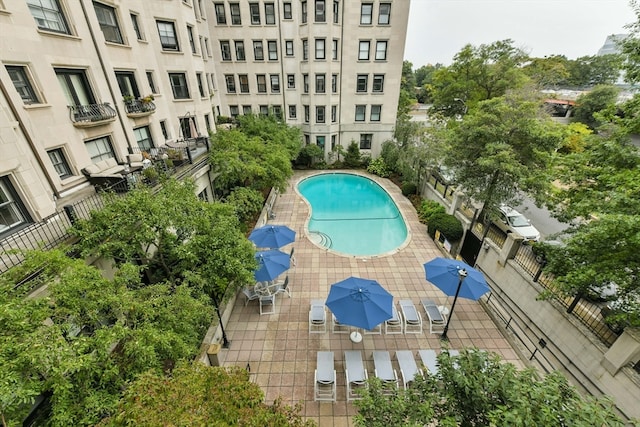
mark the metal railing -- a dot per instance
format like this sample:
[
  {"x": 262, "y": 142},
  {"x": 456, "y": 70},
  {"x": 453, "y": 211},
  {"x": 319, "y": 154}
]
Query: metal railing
[
  {"x": 137, "y": 106},
  {"x": 91, "y": 113}
]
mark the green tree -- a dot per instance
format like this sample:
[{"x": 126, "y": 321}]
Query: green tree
[
  {"x": 310, "y": 154},
  {"x": 631, "y": 47},
  {"x": 246, "y": 203},
  {"x": 477, "y": 74},
  {"x": 478, "y": 389},
  {"x": 588, "y": 71},
  {"x": 408, "y": 82},
  {"x": 352, "y": 158},
  {"x": 600, "y": 100},
  {"x": 195, "y": 394},
  {"x": 502, "y": 148},
  {"x": 548, "y": 72},
  {"x": 272, "y": 131}
]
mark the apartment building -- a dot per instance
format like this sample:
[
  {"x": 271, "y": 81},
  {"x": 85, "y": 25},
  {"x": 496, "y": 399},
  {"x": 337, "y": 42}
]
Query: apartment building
[
  {"x": 330, "y": 67},
  {"x": 82, "y": 81}
]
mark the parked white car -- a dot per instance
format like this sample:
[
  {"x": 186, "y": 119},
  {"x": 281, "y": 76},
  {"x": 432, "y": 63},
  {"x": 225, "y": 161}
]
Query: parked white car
[{"x": 512, "y": 221}]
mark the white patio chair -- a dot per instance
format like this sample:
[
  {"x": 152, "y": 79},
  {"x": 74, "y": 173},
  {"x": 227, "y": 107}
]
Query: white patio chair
[
  {"x": 408, "y": 367},
  {"x": 384, "y": 370},
  {"x": 250, "y": 294},
  {"x": 437, "y": 320},
  {"x": 337, "y": 327},
  {"x": 429, "y": 360},
  {"x": 267, "y": 304},
  {"x": 324, "y": 388},
  {"x": 282, "y": 287},
  {"x": 411, "y": 316},
  {"x": 317, "y": 317},
  {"x": 355, "y": 372},
  {"x": 394, "y": 325}
]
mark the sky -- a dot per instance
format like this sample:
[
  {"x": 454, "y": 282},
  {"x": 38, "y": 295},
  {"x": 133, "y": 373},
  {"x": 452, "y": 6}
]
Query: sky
[{"x": 438, "y": 29}]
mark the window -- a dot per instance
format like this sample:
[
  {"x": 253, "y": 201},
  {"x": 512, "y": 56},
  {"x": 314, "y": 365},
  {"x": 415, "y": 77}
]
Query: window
[
  {"x": 334, "y": 113},
  {"x": 246, "y": 110},
  {"x": 320, "y": 141},
  {"x": 179, "y": 85},
  {"x": 206, "y": 45},
  {"x": 269, "y": 14},
  {"x": 207, "y": 77},
  {"x": 319, "y": 48},
  {"x": 100, "y": 149},
  {"x": 378, "y": 83},
  {"x": 365, "y": 141},
  {"x": 363, "y": 52},
  {"x": 320, "y": 86},
  {"x": 207, "y": 122},
  {"x": 136, "y": 26},
  {"x": 361, "y": 112},
  {"x": 163, "y": 128},
  {"x": 305, "y": 83},
  {"x": 334, "y": 50},
  {"x": 288, "y": 47},
  {"x": 234, "y": 9},
  {"x": 306, "y": 139},
  {"x": 201, "y": 9},
  {"x": 261, "y": 79},
  {"x": 59, "y": 163},
  {"x": 230, "y": 80},
  {"x": 381, "y": 50},
  {"x": 240, "y": 56},
  {"x": 21, "y": 82},
  {"x": 384, "y": 13},
  {"x": 303, "y": 10},
  {"x": 143, "y": 138},
  {"x": 12, "y": 212},
  {"x": 333, "y": 142},
  {"x": 76, "y": 87},
  {"x": 264, "y": 110},
  {"x": 334, "y": 83},
  {"x": 277, "y": 111},
  {"x": 320, "y": 11},
  {"x": 200, "y": 85},
  {"x": 254, "y": 11},
  {"x": 305, "y": 49},
  {"x": 203, "y": 195},
  {"x": 375, "y": 113},
  {"x": 188, "y": 126},
  {"x": 292, "y": 112},
  {"x": 233, "y": 111},
  {"x": 291, "y": 81},
  {"x": 108, "y": 23},
  {"x": 221, "y": 16},
  {"x": 48, "y": 15},
  {"x": 272, "y": 48},
  {"x": 151, "y": 81},
  {"x": 168, "y": 38},
  {"x": 127, "y": 83},
  {"x": 244, "y": 83},
  {"x": 362, "y": 82},
  {"x": 306, "y": 113},
  {"x": 225, "y": 49},
  {"x": 286, "y": 10},
  {"x": 258, "y": 53},
  {"x": 366, "y": 12},
  {"x": 320, "y": 114},
  {"x": 275, "y": 83},
  {"x": 336, "y": 11},
  {"x": 202, "y": 47},
  {"x": 192, "y": 41}
]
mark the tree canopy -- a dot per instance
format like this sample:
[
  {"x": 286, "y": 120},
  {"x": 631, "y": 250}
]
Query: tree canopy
[{"x": 478, "y": 389}]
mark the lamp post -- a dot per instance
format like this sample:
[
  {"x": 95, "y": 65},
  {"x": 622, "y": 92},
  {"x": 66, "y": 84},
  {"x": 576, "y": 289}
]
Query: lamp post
[
  {"x": 225, "y": 342},
  {"x": 462, "y": 273}
]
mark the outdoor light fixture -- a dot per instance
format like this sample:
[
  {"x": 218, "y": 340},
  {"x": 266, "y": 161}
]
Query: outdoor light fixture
[{"x": 462, "y": 273}]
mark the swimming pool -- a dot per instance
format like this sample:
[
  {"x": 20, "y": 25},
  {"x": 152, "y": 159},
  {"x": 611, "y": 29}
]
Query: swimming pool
[{"x": 352, "y": 214}]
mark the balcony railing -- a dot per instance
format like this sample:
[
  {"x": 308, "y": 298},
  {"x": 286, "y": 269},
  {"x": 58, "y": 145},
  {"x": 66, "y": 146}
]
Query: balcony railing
[
  {"x": 92, "y": 114},
  {"x": 139, "y": 108}
]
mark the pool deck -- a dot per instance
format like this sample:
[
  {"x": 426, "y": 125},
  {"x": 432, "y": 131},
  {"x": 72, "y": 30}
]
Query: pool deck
[{"x": 279, "y": 348}]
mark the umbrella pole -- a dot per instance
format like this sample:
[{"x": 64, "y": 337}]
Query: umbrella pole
[{"x": 462, "y": 273}]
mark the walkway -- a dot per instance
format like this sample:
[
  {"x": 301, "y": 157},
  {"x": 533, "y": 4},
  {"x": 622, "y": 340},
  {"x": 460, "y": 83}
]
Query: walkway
[{"x": 279, "y": 348}]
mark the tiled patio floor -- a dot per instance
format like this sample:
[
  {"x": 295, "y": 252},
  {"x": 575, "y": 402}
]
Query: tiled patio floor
[{"x": 281, "y": 351}]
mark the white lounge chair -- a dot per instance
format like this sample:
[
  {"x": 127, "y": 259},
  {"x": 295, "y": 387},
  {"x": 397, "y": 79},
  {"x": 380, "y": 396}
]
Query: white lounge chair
[
  {"x": 384, "y": 370},
  {"x": 394, "y": 325},
  {"x": 355, "y": 372},
  {"x": 411, "y": 316},
  {"x": 429, "y": 360},
  {"x": 337, "y": 327},
  {"x": 437, "y": 320},
  {"x": 325, "y": 377},
  {"x": 408, "y": 367},
  {"x": 317, "y": 317}
]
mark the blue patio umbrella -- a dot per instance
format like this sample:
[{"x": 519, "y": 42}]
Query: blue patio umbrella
[
  {"x": 271, "y": 264},
  {"x": 362, "y": 303},
  {"x": 272, "y": 236},
  {"x": 456, "y": 278}
]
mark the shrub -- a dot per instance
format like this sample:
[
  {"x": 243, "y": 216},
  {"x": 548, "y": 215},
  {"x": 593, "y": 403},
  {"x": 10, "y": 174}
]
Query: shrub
[
  {"x": 309, "y": 154},
  {"x": 409, "y": 188},
  {"x": 427, "y": 209},
  {"x": 246, "y": 202},
  {"x": 449, "y": 226},
  {"x": 352, "y": 158},
  {"x": 378, "y": 167}
]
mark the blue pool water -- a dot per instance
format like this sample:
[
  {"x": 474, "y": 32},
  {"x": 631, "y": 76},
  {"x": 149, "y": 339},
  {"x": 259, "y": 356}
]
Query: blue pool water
[{"x": 352, "y": 214}]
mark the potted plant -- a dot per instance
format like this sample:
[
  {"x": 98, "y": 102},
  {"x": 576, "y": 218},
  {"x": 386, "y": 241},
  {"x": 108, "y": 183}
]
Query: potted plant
[
  {"x": 147, "y": 99},
  {"x": 128, "y": 99},
  {"x": 151, "y": 175}
]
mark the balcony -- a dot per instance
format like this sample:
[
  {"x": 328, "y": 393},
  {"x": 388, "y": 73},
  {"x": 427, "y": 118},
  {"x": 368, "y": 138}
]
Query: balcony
[
  {"x": 139, "y": 107},
  {"x": 86, "y": 116}
]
